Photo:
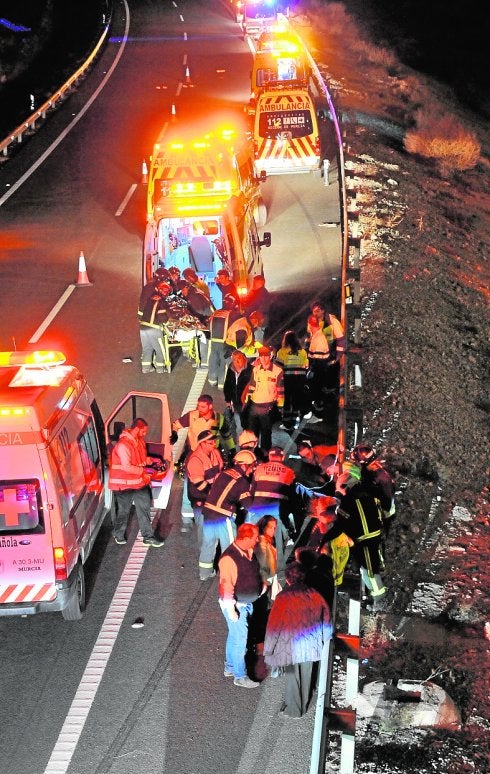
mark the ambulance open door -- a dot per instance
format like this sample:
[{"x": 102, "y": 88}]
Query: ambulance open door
[{"x": 153, "y": 407}]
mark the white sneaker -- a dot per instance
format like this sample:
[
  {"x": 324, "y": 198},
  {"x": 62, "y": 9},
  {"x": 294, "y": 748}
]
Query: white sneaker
[
  {"x": 314, "y": 420},
  {"x": 308, "y": 415},
  {"x": 245, "y": 682}
]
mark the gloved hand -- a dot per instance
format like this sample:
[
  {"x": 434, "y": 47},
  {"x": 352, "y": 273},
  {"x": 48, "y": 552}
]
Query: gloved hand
[{"x": 173, "y": 437}]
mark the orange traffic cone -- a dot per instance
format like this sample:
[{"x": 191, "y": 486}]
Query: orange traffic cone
[
  {"x": 144, "y": 172},
  {"x": 82, "y": 272},
  {"x": 174, "y": 113},
  {"x": 187, "y": 75}
]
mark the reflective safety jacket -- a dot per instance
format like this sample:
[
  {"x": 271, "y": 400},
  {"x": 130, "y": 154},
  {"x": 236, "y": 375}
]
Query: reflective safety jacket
[
  {"x": 202, "y": 469},
  {"x": 272, "y": 483},
  {"x": 334, "y": 333},
  {"x": 196, "y": 424},
  {"x": 241, "y": 336},
  {"x": 359, "y": 516},
  {"x": 293, "y": 364},
  {"x": 127, "y": 463},
  {"x": 155, "y": 313},
  {"x": 228, "y": 496},
  {"x": 267, "y": 385}
]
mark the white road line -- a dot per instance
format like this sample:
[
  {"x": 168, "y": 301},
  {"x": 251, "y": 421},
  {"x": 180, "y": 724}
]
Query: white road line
[
  {"x": 126, "y": 199},
  {"x": 75, "y": 121},
  {"x": 54, "y": 311},
  {"x": 99, "y": 658}
]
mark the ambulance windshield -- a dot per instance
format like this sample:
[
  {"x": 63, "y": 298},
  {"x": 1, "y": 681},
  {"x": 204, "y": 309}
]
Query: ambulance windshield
[{"x": 20, "y": 507}]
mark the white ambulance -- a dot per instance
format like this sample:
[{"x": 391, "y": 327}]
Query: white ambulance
[
  {"x": 54, "y": 496},
  {"x": 286, "y": 132}
]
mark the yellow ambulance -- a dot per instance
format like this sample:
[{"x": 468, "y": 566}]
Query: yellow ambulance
[
  {"x": 199, "y": 189},
  {"x": 286, "y": 132},
  {"x": 54, "y": 494}
]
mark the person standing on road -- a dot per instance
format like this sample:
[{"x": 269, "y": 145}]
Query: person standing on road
[
  {"x": 131, "y": 484},
  {"x": 299, "y": 624},
  {"x": 240, "y": 585},
  {"x": 226, "y": 502},
  {"x": 236, "y": 382},
  {"x": 265, "y": 396},
  {"x": 152, "y": 318},
  {"x": 202, "y": 466},
  {"x": 203, "y": 417},
  {"x": 218, "y": 331},
  {"x": 293, "y": 359}
]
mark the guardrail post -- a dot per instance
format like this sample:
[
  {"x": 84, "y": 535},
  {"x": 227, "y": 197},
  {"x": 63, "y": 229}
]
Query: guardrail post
[{"x": 345, "y": 720}]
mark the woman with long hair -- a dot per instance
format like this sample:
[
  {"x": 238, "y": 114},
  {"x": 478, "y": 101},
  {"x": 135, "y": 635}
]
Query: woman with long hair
[{"x": 294, "y": 360}]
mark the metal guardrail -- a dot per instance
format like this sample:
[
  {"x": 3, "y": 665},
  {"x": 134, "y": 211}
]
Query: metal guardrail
[{"x": 29, "y": 125}]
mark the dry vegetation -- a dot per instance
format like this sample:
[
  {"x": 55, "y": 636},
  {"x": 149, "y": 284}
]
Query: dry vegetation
[{"x": 444, "y": 139}]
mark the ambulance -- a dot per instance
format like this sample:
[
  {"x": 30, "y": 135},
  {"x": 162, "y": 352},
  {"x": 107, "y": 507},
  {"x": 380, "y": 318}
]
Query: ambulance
[
  {"x": 280, "y": 60},
  {"x": 286, "y": 132},
  {"x": 201, "y": 191},
  {"x": 258, "y": 16},
  {"x": 54, "y": 495}
]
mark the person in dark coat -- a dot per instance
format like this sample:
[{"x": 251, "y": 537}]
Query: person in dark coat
[
  {"x": 298, "y": 627},
  {"x": 236, "y": 382}
]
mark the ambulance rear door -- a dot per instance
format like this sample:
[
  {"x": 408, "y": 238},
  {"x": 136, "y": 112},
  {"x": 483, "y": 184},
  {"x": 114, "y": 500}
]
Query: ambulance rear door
[
  {"x": 153, "y": 407},
  {"x": 27, "y": 572},
  {"x": 286, "y": 133}
]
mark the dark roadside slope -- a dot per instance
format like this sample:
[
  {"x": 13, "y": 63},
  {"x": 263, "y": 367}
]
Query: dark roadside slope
[{"x": 42, "y": 42}]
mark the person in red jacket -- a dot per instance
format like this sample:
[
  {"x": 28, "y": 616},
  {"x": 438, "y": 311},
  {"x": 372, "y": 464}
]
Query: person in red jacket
[{"x": 131, "y": 484}]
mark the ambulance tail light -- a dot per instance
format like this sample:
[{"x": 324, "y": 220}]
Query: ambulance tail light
[
  {"x": 317, "y": 146},
  {"x": 242, "y": 291},
  {"x": 60, "y": 570}
]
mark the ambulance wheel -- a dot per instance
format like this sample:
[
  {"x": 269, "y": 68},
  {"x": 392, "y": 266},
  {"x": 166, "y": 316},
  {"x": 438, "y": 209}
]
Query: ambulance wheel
[
  {"x": 261, "y": 214},
  {"x": 74, "y": 609}
]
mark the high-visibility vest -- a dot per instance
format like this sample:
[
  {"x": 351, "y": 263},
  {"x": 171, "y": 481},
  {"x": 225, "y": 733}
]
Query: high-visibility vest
[
  {"x": 128, "y": 458},
  {"x": 272, "y": 482}
]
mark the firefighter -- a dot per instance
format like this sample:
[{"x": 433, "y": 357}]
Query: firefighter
[
  {"x": 376, "y": 479},
  {"x": 160, "y": 275},
  {"x": 225, "y": 504},
  {"x": 273, "y": 494},
  {"x": 360, "y": 518},
  {"x": 265, "y": 397},
  {"x": 219, "y": 323},
  {"x": 294, "y": 361},
  {"x": 202, "y": 466},
  {"x": 154, "y": 314}
]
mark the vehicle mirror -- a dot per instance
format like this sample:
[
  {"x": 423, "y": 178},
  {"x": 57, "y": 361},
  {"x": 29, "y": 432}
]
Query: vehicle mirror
[{"x": 267, "y": 240}]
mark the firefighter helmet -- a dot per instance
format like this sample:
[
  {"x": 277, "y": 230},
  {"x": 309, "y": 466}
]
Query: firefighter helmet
[
  {"x": 162, "y": 274},
  {"x": 363, "y": 453},
  {"x": 229, "y": 301},
  {"x": 244, "y": 458},
  {"x": 247, "y": 438}
]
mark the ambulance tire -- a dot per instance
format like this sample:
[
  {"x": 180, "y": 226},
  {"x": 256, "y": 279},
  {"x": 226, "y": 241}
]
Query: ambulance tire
[
  {"x": 260, "y": 213},
  {"x": 76, "y": 606}
]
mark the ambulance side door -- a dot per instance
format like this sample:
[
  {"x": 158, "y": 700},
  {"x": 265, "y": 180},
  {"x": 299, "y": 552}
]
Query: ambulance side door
[{"x": 153, "y": 407}]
